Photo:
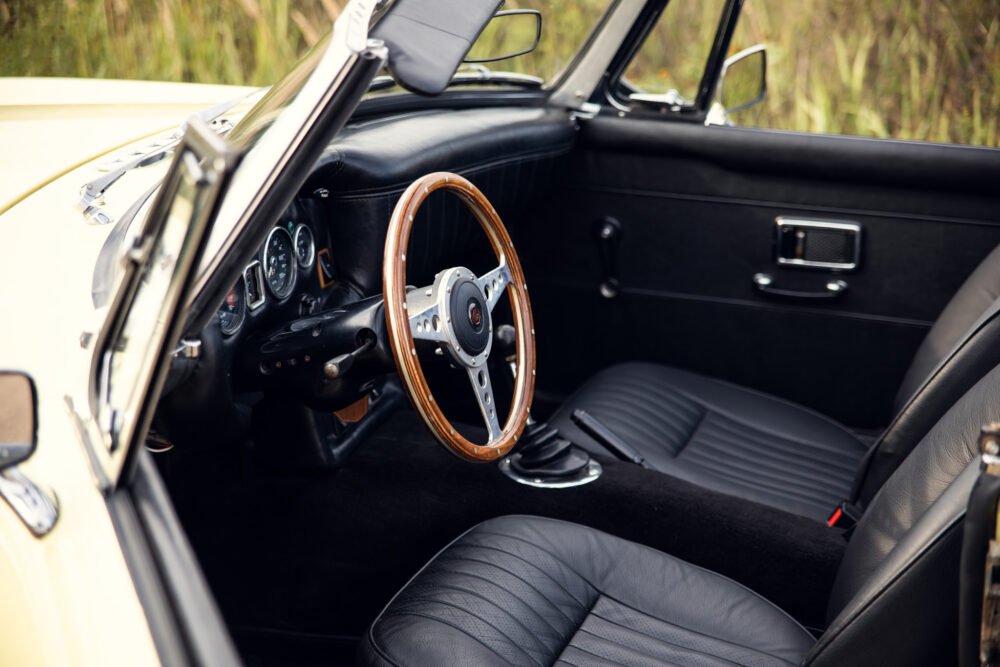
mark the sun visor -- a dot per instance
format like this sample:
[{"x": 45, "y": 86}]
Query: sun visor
[{"x": 427, "y": 39}]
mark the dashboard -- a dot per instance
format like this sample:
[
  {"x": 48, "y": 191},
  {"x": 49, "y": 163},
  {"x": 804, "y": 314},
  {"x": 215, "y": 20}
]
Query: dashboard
[{"x": 311, "y": 294}]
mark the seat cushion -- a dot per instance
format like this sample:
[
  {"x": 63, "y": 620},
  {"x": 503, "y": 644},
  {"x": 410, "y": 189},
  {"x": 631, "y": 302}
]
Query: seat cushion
[
  {"x": 721, "y": 436},
  {"x": 531, "y": 591}
]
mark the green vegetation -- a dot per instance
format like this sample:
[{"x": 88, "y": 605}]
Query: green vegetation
[
  {"x": 912, "y": 69},
  {"x": 251, "y": 42}
]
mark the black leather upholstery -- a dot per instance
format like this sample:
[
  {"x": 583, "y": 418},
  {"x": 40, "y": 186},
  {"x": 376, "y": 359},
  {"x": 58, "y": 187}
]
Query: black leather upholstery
[
  {"x": 534, "y": 591},
  {"x": 782, "y": 454},
  {"x": 974, "y": 298},
  {"x": 523, "y": 590},
  {"x": 721, "y": 436},
  {"x": 962, "y": 347},
  {"x": 895, "y": 599}
]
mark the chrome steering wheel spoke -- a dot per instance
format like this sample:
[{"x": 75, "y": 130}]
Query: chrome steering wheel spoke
[
  {"x": 494, "y": 282},
  {"x": 483, "y": 388},
  {"x": 425, "y": 316}
]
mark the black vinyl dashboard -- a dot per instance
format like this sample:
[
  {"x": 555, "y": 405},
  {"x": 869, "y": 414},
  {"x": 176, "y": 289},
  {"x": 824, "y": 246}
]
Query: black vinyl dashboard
[{"x": 322, "y": 260}]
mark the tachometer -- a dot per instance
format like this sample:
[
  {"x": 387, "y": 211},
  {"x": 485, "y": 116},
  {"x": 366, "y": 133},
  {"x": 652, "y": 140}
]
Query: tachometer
[
  {"x": 305, "y": 246},
  {"x": 279, "y": 263},
  {"x": 233, "y": 310}
]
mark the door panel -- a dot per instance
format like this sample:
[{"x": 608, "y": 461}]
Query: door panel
[{"x": 697, "y": 208}]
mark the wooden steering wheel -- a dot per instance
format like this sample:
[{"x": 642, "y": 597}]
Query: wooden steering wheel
[{"x": 455, "y": 313}]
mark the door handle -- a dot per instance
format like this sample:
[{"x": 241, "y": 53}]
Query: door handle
[{"x": 764, "y": 283}]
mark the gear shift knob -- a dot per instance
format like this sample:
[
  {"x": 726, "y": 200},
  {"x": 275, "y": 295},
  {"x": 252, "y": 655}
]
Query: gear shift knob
[{"x": 506, "y": 340}]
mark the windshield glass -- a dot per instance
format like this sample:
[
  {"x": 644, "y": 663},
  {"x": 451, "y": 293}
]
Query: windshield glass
[{"x": 280, "y": 95}]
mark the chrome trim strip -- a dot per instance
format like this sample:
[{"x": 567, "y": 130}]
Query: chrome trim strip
[{"x": 589, "y": 474}]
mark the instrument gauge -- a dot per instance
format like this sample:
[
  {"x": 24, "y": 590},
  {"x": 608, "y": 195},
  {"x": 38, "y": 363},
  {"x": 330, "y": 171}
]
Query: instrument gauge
[
  {"x": 279, "y": 263},
  {"x": 305, "y": 246},
  {"x": 233, "y": 310}
]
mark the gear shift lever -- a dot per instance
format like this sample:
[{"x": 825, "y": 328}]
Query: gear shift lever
[{"x": 543, "y": 458}]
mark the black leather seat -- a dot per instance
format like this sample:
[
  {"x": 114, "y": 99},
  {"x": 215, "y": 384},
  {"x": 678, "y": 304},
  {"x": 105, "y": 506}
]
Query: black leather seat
[
  {"x": 788, "y": 456},
  {"x": 533, "y": 591},
  {"x": 685, "y": 424}
]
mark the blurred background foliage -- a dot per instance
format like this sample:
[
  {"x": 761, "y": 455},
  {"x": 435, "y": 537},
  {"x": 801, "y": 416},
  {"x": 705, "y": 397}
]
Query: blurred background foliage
[{"x": 910, "y": 69}]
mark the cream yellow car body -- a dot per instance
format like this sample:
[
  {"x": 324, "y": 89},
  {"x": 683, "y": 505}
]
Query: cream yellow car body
[
  {"x": 68, "y": 597},
  {"x": 50, "y": 125}
]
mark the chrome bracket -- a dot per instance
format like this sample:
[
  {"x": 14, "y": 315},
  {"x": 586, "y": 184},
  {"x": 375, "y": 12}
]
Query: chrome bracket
[{"x": 36, "y": 508}]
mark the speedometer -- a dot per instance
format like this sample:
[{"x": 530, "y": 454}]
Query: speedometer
[
  {"x": 233, "y": 309},
  {"x": 279, "y": 263}
]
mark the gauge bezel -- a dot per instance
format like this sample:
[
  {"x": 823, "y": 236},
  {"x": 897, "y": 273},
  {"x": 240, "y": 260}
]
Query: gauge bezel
[
  {"x": 254, "y": 268},
  {"x": 302, "y": 227},
  {"x": 240, "y": 284},
  {"x": 293, "y": 274}
]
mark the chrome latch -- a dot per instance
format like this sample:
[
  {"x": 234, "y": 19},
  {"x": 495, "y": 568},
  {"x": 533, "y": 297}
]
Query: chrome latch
[{"x": 818, "y": 244}]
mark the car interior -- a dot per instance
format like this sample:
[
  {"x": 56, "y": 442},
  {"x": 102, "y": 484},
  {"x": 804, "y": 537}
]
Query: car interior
[{"x": 761, "y": 362}]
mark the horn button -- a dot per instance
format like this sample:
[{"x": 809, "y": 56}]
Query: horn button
[{"x": 470, "y": 318}]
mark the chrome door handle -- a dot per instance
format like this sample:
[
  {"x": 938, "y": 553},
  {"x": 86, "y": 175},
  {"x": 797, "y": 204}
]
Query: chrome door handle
[{"x": 764, "y": 283}]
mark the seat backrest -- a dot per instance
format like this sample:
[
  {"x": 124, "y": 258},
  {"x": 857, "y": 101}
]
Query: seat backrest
[
  {"x": 976, "y": 294},
  {"x": 961, "y": 347},
  {"x": 895, "y": 598}
]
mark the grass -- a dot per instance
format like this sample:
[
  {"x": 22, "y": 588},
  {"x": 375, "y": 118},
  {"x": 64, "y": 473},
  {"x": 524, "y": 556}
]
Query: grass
[
  {"x": 912, "y": 69},
  {"x": 251, "y": 42}
]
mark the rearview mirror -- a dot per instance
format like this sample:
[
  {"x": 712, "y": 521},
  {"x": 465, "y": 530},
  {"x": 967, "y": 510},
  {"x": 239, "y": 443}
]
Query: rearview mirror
[
  {"x": 742, "y": 84},
  {"x": 17, "y": 418},
  {"x": 511, "y": 33}
]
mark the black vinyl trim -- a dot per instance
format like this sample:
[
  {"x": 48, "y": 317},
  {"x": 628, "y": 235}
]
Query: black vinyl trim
[
  {"x": 764, "y": 203},
  {"x": 833, "y": 158},
  {"x": 467, "y": 169},
  {"x": 744, "y": 303},
  {"x": 388, "y": 105}
]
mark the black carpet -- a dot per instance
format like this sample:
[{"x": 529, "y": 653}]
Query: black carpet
[{"x": 318, "y": 557}]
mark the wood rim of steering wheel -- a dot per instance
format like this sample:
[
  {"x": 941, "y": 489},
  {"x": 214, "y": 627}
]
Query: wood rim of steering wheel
[{"x": 398, "y": 324}]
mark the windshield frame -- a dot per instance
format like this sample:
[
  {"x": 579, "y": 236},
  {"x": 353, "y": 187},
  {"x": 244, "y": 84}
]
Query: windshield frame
[{"x": 292, "y": 130}]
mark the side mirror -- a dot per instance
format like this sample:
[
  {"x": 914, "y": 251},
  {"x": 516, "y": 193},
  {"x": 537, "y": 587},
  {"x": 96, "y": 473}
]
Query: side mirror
[
  {"x": 37, "y": 508},
  {"x": 17, "y": 418},
  {"x": 742, "y": 84},
  {"x": 510, "y": 33}
]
